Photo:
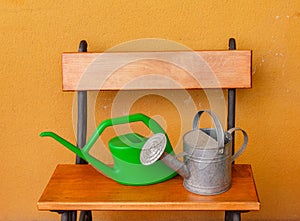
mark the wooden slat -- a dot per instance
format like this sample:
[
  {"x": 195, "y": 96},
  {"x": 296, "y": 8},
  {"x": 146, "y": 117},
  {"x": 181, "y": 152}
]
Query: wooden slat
[
  {"x": 156, "y": 70},
  {"x": 81, "y": 187}
]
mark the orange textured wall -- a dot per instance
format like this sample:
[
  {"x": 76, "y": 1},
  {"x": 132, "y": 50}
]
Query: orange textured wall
[{"x": 35, "y": 33}]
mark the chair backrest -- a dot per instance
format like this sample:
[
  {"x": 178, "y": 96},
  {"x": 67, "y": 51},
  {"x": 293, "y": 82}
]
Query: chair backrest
[
  {"x": 156, "y": 70},
  {"x": 226, "y": 69}
]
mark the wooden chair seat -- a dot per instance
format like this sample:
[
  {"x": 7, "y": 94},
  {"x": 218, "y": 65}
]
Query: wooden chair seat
[{"x": 81, "y": 187}]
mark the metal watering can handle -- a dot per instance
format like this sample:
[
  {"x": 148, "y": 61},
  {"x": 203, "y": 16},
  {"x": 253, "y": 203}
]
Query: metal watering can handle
[
  {"x": 245, "y": 142},
  {"x": 150, "y": 123},
  {"x": 217, "y": 123}
]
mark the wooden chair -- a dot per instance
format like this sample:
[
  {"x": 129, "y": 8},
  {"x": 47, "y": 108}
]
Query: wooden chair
[{"x": 64, "y": 194}]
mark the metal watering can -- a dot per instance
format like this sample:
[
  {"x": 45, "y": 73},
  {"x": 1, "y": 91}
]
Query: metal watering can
[
  {"x": 127, "y": 168},
  {"x": 207, "y": 156}
]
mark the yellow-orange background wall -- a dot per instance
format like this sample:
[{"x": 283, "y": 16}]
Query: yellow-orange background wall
[{"x": 33, "y": 34}]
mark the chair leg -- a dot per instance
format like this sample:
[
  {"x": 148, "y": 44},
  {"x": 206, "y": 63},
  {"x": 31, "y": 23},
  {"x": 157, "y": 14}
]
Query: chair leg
[
  {"x": 85, "y": 215},
  {"x": 68, "y": 215},
  {"x": 232, "y": 216},
  {"x": 65, "y": 216},
  {"x": 73, "y": 215}
]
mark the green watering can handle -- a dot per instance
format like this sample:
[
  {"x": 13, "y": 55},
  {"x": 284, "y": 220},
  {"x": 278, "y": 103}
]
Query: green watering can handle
[{"x": 150, "y": 123}]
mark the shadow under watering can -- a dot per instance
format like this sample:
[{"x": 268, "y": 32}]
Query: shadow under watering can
[
  {"x": 125, "y": 149},
  {"x": 207, "y": 154}
]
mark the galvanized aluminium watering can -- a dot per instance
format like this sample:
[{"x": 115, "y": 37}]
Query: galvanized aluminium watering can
[
  {"x": 207, "y": 156},
  {"x": 125, "y": 149}
]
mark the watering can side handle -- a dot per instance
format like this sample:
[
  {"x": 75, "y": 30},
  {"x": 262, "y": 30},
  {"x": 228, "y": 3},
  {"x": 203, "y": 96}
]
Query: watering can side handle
[
  {"x": 64, "y": 142},
  {"x": 101, "y": 127},
  {"x": 217, "y": 123},
  {"x": 244, "y": 145},
  {"x": 149, "y": 122},
  {"x": 152, "y": 124}
]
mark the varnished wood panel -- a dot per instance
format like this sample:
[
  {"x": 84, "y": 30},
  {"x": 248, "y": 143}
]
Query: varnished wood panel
[
  {"x": 156, "y": 70},
  {"x": 81, "y": 187}
]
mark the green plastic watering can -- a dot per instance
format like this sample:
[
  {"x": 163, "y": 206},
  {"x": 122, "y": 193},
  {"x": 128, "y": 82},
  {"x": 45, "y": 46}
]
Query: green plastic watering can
[{"x": 127, "y": 168}]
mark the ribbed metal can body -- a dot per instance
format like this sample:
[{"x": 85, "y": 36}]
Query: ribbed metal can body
[{"x": 210, "y": 167}]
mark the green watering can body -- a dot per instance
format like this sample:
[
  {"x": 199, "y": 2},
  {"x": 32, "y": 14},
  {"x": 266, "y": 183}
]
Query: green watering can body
[{"x": 127, "y": 168}]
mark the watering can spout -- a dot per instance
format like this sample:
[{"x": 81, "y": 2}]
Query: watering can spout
[
  {"x": 176, "y": 165},
  {"x": 64, "y": 142},
  {"x": 109, "y": 171}
]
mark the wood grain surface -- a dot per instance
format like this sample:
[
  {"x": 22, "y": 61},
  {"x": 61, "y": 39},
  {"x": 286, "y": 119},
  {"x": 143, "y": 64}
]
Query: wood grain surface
[
  {"x": 81, "y": 187},
  {"x": 156, "y": 70}
]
